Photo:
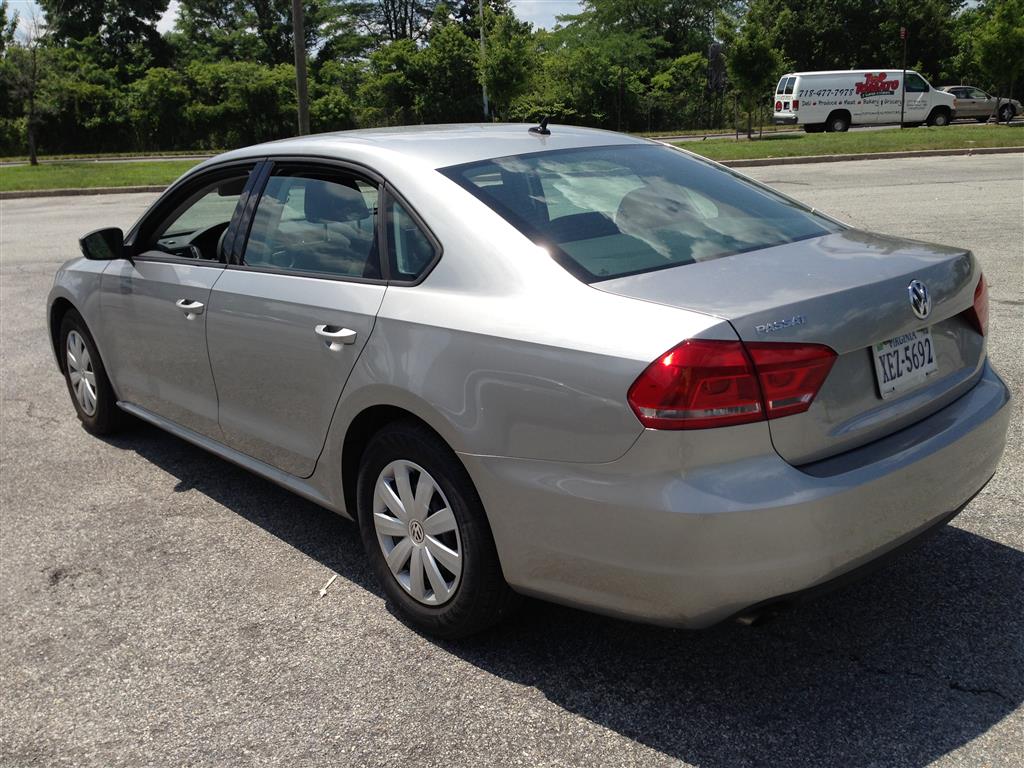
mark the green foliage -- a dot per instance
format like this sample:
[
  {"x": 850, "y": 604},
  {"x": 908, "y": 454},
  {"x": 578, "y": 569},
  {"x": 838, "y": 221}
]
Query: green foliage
[
  {"x": 100, "y": 78},
  {"x": 999, "y": 45},
  {"x": 509, "y": 63}
]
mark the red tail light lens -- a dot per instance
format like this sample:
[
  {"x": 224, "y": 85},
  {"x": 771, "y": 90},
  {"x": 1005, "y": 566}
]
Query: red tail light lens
[
  {"x": 978, "y": 314},
  {"x": 778, "y": 106},
  {"x": 790, "y": 374},
  {"x": 706, "y": 383},
  {"x": 699, "y": 384},
  {"x": 796, "y": 104}
]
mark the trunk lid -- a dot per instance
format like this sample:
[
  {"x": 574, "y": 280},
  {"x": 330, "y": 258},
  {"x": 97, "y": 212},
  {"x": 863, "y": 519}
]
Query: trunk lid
[{"x": 847, "y": 290}]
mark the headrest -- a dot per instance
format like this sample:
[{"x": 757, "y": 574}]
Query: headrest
[
  {"x": 329, "y": 201},
  {"x": 659, "y": 204}
]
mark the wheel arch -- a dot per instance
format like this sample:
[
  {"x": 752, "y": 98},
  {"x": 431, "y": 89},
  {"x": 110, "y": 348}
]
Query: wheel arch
[
  {"x": 58, "y": 309},
  {"x": 358, "y": 434},
  {"x": 940, "y": 109},
  {"x": 843, "y": 112}
]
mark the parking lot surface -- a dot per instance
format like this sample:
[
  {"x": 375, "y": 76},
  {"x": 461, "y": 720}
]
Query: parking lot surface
[{"x": 161, "y": 606}]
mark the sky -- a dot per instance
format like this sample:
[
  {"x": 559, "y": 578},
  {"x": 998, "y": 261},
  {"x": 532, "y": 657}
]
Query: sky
[{"x": 541, "y": 13}]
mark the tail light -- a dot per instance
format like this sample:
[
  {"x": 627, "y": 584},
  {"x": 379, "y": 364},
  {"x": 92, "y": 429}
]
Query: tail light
[
  {"x": 778, "y": 106},
  {"x": 978, "y": 314},
  {"x": 706, "y": 383},
  {"x": 796, "y": 104}
]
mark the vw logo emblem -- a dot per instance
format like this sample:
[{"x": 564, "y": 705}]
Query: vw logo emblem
[
  {"x": 920, "y": 299},
  {"x": 416, "y": 531}
]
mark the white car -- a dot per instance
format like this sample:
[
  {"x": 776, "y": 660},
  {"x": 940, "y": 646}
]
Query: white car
[{"x": 833, "y": 101}]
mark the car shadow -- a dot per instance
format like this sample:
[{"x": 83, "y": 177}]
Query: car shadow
[{"x": 901, "y": 668}]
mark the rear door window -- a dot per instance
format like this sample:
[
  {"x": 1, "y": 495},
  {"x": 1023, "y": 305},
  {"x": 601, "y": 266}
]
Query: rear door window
[{"x": 318, "y": 222}]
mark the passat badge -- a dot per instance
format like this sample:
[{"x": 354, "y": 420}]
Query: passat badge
[{"x": 780, "y": 325}]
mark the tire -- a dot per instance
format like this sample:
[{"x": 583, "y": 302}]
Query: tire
[
  {"x": 94, "y": 401},
  {"x": 1006, "y": 113},
  {"x": 478, "y": 596},
  {"x": 838, "y": 123},
  {"x": 814, "y": 127},
  {"x": 939, "y": 118}
]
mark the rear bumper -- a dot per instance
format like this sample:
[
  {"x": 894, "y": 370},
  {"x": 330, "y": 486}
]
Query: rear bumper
[
  {"x": 783, "y": 119},
  {"x": 689, "y": 528}
]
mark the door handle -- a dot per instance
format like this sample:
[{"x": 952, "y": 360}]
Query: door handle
[
  {"x": 189, "y": 307},
  {"x": 336, "y": 336}
]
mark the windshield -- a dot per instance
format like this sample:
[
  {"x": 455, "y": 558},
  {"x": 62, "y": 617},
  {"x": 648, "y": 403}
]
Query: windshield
[{"x": 606, "y": 212}]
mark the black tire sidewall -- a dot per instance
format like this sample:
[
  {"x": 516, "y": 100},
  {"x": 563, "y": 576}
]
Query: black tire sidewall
[
  {"x": 481, "y": 590},
  {"x": 106, "y": 418}
]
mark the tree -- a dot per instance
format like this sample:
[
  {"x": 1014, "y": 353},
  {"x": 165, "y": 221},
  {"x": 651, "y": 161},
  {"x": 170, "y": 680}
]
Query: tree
[
  {"x": 388, "y": 93},
  {"x": 125, "y": 30},
  {"x": 446, "y": 79},
  {"x": 509, "y": 62},
  {"x": 754, "y": 66},
  {"x": 8, "y": 26},
  {"x": 999, "y": 47},
  {"x": 25, "y": 74}
]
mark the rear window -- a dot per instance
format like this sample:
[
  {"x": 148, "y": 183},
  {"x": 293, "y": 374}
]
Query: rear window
[
  {"x": 786, "y": 85},
  {"x": 607, "y": 212}
]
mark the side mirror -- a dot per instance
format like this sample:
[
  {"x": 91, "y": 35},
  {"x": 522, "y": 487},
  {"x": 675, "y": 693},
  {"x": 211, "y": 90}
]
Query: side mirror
[{"x": 103, "y": 244}]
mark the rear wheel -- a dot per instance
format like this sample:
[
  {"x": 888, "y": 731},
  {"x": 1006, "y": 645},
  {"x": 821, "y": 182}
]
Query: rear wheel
[
  {"x": 1006, "y": 113},
  {"x": 88, "y": 384},
  {"x": 838, "y": 122},
  {"x": 426, "y": 534}
]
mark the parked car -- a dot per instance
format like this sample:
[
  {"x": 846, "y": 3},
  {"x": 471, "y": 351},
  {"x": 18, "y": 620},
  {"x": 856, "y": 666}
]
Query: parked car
[
  {"x": 974, "y": 102},
  {"x": 833, "y": 101},
  {"x": 556, "y": 362}
]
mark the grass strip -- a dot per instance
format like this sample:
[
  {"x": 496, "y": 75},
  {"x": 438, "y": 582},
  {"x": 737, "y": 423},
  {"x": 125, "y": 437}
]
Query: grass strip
[
  {"x": 859, "y": 142},
  {"x": 87, "y": 175}
]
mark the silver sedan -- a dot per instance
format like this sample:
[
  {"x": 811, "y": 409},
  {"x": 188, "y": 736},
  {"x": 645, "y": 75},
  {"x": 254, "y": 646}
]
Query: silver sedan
[{"x": 554, "y": 362}]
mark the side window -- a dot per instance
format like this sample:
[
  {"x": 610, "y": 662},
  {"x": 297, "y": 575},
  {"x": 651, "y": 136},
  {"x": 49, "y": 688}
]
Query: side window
[
  {"x": 317, "y": 222},
  {"x": 915, "y": 83},
  {"x": 195, "y": 227},
  {"x": 974, "y": 93},
  {"x": 410, "y": 251}
]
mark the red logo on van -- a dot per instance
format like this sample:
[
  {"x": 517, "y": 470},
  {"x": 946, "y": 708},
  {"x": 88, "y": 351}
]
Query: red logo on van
[{"x": 877, "y": 84}]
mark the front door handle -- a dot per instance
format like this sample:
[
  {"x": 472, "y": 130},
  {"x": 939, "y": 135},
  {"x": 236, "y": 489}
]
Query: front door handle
[
  {"x": 189, "y": 307},
  {"x": 336, "y": 336}
]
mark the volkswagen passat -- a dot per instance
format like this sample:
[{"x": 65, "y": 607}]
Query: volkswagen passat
[{"x": 554, "y": 362}]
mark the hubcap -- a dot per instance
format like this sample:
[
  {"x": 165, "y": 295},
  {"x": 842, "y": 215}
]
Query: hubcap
[
  {"x": 80, "y": 373},
  {"x": 417, "y": 532}
]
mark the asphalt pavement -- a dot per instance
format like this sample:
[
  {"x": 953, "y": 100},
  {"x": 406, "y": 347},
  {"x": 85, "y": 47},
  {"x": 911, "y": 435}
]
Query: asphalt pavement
[{"x": 159, "y": 606}]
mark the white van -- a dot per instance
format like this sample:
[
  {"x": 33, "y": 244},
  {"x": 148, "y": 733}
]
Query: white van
[{"x": 833, "y": 101}]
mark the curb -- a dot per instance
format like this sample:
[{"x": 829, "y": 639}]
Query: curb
[
  {"x": 799, "y": 160},
  {"x": 16, "y": 195},
  {"x": 751, "y": 163}
]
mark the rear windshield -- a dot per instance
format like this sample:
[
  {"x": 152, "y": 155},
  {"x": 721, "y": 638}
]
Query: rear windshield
[
  {"x": 606, "y": 212},
  {"x": 786, "y": 85}
]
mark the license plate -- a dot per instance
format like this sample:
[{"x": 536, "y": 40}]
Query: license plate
[{"x": 904, "y": 362}]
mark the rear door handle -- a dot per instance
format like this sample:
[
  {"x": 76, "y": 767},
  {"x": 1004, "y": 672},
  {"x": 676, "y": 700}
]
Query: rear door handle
[
  {"x": 189, "y": 307},
  {"x": 336, "y": 336}
]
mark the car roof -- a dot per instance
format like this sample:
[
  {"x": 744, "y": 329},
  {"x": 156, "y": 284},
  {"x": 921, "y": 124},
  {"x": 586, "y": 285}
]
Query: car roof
[
  {"x": 439, "y": 145},
  {"x": 848, "y": 71}
]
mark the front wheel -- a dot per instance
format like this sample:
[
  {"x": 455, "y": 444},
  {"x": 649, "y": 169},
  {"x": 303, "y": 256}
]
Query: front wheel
[
  {"x": 425, "y": 531},
  {"x": 939, "y": 118},
  {"x": 88, "y": 384}
]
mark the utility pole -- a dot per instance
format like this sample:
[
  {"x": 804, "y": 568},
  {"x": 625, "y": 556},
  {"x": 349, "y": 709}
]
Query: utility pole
[
  {"x": 483, "y": 56},
  {"x": 903, "y": 84},
  {"x": 299, "y": 39}
]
